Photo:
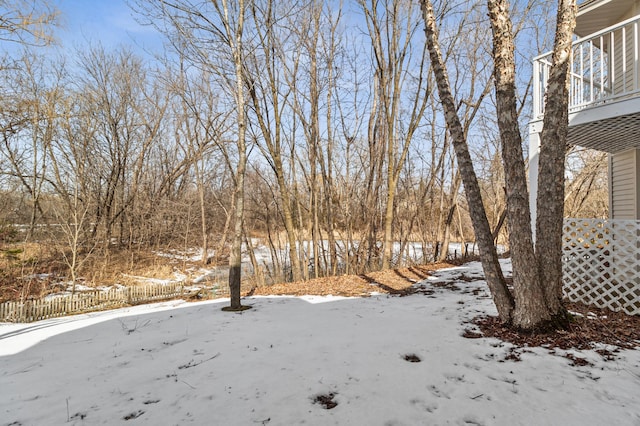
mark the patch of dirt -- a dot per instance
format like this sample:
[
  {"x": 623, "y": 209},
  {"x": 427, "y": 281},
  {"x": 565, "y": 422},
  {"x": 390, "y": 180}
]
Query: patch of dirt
[
  {"x": 411, "y": 358},
  {"x": 577, "y": 361},
  {"x": 133, "y": 415},
  {"x": 326, "y": 400},
  {"x": 471, "y": 334},
  {"x": 465, "y": 278},
  {"x": 590, "y": 327},
  {"x": 80, "y": 416},
  {"x": 513, "y": 354}
]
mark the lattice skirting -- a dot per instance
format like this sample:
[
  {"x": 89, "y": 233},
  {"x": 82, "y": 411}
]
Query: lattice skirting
[{"x": 602, "y": 263}]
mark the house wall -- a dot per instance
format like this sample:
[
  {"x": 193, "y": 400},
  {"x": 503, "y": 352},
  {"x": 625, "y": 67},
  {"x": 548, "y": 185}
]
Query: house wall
[
  {"x": 624, "y": 167},
  {"x": 534, "y": 151},
  {"x": 635, "y": 9},
  {"x": 624, "y": 173},
  {"x": 625, "y": 62}
]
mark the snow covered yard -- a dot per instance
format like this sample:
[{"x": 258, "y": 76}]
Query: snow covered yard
[{"x": 289, "y": 358}]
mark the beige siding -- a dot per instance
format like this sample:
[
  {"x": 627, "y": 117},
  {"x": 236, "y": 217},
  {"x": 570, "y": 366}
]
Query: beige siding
[
  {"x": 635, "y": 9},
  {"x": 624, "y": 188},
  {"x": 625, "y": 68}
]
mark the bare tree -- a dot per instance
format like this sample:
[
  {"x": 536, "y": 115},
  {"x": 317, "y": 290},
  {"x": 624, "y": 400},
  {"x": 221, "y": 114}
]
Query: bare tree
[
  {"x": 314, "y": 76},
  {"x": 27, "y": 22},
  {"x": 200, "y": 129},
  {"x": 269, "y": 96},
  {"x": 535, "y": 300},
  {"x": 211, "y": 36},
  {"x": 24, "y": 119},
  {"x": 391, "y": 27},
  {"x": 233, "y": 29},
  {"x": 586, "y": 192},
  {"x": 495, "y": 279},
  {"x": 126, "y": 112}
]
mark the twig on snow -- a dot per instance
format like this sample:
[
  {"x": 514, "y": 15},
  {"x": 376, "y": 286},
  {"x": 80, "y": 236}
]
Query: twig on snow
[{"x": 192, "y": 363}]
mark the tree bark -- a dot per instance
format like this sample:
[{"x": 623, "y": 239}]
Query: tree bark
[
  {"x": 537, "y": 275},
  {"x": 453, "y": 206},
  {"x": 550, "y": 200},
  {"x": 235, "y": 257},
  {"x": 528, "y": 292},
  {"x": 488, "y": 255}
]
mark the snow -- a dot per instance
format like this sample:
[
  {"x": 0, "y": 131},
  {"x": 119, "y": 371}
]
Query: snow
[
  {"x": 160, "y": 281},
  {"x": 177, "y": 363},
  {"x": 190, "y": 255}
]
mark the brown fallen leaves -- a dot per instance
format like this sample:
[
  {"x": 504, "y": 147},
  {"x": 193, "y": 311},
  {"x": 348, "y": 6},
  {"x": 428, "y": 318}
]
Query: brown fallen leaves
[
  {"x": 392, "y": 281},
  {"x": 603, "y": 330}
]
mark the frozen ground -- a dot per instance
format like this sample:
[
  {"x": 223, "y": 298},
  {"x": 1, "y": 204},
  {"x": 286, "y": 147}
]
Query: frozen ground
[{"x": 176, "y": 363}]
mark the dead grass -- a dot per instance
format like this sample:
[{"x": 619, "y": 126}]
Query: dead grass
[
  {"x": 33, "y": 270},
  {"x": 118, "y": 266},
  {"x": 27, "y": 270}
]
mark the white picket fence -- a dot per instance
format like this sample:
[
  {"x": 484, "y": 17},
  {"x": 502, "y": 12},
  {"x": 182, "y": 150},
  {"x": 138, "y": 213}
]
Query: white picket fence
[
  {"x": 39, "y": 309},
  {"x": 602, "y": 263}
]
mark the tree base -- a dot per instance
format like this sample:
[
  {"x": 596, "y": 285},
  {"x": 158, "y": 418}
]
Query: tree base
[
  {"x": 236, "y": 309},
  {"x": 560, "y": 321}
]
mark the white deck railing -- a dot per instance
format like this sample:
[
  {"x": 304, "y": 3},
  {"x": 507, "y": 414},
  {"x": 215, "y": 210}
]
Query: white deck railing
[
  {"x": 604, "y": 67},
  {"x": 601, "y": 263}
]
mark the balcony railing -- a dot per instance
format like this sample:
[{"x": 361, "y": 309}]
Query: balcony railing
[{"x": 604, "y": 67}]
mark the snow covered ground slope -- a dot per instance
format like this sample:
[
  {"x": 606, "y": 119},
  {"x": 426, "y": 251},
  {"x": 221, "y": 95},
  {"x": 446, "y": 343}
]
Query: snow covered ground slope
[{"x": 176, "y": 363}]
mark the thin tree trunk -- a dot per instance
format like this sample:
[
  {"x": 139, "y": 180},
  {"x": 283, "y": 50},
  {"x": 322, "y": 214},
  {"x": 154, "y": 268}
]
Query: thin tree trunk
[
  {"x": 203, "y": 226},
  {"x": 446, "y": 236},
  {"x": 463, "y": 247},
  {"x": 389, "y": 216},
  {"x": 499, "y": 225},
  {"x": 258, "y": 276},
  {"x": 327, "y": 170},
  {"x": 453, "y": 206},
  {"x": 235, "y": 257}
]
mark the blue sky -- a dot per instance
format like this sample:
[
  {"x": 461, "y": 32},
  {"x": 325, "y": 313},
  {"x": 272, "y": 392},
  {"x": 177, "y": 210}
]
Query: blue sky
[{"x": 108, "y": 21}]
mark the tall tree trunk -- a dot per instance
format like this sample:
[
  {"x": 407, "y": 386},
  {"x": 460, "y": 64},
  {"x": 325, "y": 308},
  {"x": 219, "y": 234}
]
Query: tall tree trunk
[
  {"x": 550, "y": 204},
  {"x": 537, "y": 275},
  {"x": 391, "y": 26},
  {"x": 272, "y": 134},
  {"x": 326, "y": 164},
  {"x": 235, "y": 257},
  {"x": 531, "y": 309},
  {"x": 488, "y": 255}
]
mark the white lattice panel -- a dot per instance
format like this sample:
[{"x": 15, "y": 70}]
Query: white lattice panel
[{"x": 601, "y": 263}]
